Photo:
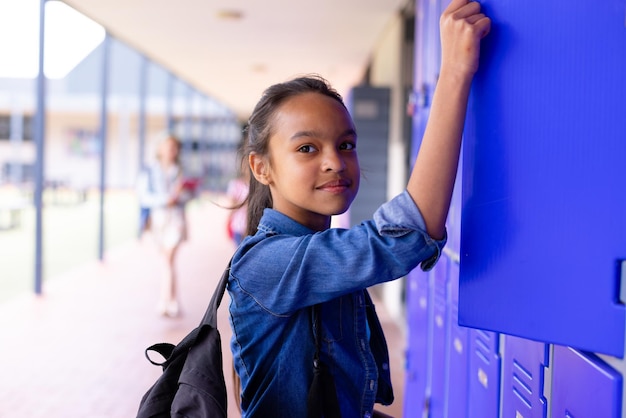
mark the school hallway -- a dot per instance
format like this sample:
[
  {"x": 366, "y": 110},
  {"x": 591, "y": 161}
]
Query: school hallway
[{"x": 78, "y": 350}]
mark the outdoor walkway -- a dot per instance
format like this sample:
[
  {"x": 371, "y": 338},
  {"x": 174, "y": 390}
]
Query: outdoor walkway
[{"x": 78, "y": 350}]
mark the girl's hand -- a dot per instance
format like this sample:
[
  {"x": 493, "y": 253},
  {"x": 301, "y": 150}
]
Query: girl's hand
[
  {"x": 462, "y": 26},
  {"x": 173, "y": 200}
]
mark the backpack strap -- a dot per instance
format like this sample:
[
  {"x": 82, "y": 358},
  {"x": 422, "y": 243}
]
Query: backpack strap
[
  {"x": 210, "y": 317},
  {"x": 322, "y": 398},
  {"x": 170, "y": 351},
  {"x": 164, "y": 349}
]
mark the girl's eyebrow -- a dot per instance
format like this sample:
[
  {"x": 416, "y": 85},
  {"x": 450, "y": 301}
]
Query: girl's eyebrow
[
  {"x": 316, "y": 134},
  {"x": 304, "y": 134}
]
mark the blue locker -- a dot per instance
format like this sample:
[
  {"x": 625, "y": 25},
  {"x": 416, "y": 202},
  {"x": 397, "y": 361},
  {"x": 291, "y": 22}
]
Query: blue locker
[
  {"x": 584, "y": 386},
  {"x": 544, "y": 207},
  {"x": 419, "y": 309},
  {"x": 523, "y": 378},
  {"x": 417, "y": 303},
  {"x": 426, "y": 66},
  {"x": 457, "y": 354},
  {"x": 439, "y": 288},
  {"x": 484, "y": 375},
  {"x": 453, "y": 223}
]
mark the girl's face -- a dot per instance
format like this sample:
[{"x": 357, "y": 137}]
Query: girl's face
[
  {"x": 312, "y": 169},
  {"x": 168, "y": 151}
]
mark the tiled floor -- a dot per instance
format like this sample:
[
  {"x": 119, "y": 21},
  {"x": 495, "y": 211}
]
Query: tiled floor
[{"x": 78, "y": 350}]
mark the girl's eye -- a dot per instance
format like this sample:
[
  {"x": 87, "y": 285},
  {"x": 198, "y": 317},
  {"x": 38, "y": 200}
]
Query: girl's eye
[
  {"x": 306, "y": 148},
  {"x": 348, "y": 146}
]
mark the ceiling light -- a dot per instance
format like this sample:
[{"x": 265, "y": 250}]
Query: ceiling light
[
  {"x": 230, "y": 14},
  {"x": 259, "y": 68}
]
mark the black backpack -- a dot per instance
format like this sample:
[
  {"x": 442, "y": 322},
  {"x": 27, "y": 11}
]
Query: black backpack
[{"x": 192, "y": 383}]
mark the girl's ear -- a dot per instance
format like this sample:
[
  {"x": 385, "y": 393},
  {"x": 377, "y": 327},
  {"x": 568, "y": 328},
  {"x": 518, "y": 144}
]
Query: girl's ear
[{"x": 260, "y": 168}]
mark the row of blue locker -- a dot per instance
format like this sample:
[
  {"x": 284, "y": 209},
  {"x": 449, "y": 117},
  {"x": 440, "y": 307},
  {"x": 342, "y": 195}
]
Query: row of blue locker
[
  {"x": 540, "y": 188},
  {"x": 454, "y": 371}
]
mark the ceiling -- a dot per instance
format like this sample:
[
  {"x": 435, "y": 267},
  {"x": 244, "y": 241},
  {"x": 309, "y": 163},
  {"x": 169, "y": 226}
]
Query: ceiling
[{"x": 232, "y": 50}]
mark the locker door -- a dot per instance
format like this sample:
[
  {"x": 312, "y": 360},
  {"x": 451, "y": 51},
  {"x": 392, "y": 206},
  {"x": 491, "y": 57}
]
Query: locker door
[
  {"x": 584, "y": 386},
  {"x": 417, "y": 303},
  {"x": 484, "y": 375},
  {"x": 544, "y": 178},
  {"x": 523, "y": 378},
  {"x": 457, "y": 349},
  {"x": 453, "y": 223},
  {"x": 416, "y": 399},
  {"x": 439, "y": 288}
]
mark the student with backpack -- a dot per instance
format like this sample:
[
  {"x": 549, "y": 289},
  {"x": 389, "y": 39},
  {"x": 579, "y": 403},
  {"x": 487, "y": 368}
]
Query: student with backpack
[
  {"x": 164, "y": 193},
  {"x": 295, "y": 281}
]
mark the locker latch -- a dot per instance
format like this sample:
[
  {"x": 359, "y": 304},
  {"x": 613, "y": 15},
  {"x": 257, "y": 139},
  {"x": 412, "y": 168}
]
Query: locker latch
[{"x": 622, "y": 283}]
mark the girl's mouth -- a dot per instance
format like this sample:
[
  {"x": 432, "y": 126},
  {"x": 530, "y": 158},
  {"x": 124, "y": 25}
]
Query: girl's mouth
[{"x": 335, "y": 186}]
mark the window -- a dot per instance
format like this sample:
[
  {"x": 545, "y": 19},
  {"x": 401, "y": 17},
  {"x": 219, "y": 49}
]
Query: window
[{"x": 27, "y": 128}]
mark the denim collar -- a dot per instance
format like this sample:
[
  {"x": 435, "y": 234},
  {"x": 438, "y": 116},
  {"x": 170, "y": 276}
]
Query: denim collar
[{"x": 273, "y": 223}]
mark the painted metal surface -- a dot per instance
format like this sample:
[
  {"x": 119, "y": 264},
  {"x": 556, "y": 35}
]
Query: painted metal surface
[
  {"x": 543, "y": 225},
  {"x": 484, "y": 375},
  {"x": 102, "y": 137},
  {"x": 523, "y": 380},
  {"x": 417, "y": 303},
  {"x": 40, "y": 128},
  {"x": 457, "y": 354},
  {"x": 584, "y": 386},
  {"x": 439, "y": 289}
]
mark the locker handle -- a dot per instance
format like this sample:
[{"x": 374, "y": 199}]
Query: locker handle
[{"x": 622, "y": 283}]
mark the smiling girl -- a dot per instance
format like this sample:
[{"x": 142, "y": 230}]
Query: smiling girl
[{"x": 294, "y": 278}]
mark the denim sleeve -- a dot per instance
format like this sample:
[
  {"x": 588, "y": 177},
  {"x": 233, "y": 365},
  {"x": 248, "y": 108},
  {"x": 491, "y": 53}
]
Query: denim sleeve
[
  {"x": 283, "y": 270},
  {"x": 400, "y": 216}
]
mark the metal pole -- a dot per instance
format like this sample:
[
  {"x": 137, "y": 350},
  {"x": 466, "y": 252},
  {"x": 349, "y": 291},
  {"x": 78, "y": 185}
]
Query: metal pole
[
  {"x": 17, "y": 142},
  {"x": 143, "y": 87},
  {"x": 189, "y": 118},
  {"x": 40, "y": 123},
  {"x": 170, "y": 104},
  {"x": 103, "y": 138},
  {"x": 188, "y": 128},
  {"x": 203, "y": 143},
  {"x": 205, "y": 125}
]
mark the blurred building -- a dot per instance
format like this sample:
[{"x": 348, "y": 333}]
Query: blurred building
[{"x": 209, "y": 131}]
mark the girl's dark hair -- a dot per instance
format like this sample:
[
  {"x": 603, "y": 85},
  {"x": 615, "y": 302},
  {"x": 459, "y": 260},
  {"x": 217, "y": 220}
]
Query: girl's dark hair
[{"x": 259, "y": 130}]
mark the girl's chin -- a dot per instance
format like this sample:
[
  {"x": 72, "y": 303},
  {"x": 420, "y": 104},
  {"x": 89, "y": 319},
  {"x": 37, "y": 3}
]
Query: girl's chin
[{"x": 340, "y": 212}]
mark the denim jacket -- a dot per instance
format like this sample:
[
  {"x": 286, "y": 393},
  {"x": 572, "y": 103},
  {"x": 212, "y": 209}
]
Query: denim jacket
[{"x": 284, "y": 269}]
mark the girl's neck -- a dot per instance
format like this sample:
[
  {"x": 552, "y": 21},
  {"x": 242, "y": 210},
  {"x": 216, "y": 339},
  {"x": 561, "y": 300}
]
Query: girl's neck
[
  {"x": 167, "y": 164},
  {"x": 319, "y": 225}
]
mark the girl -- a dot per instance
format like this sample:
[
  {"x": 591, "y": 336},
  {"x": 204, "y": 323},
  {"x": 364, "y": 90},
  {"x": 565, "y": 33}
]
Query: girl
[
  {"x": 301, "y": 148},
  {"x": 162, "y": 189}
]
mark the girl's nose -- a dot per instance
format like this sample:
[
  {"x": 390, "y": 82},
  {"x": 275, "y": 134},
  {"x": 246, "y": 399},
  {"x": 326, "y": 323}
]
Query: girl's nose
[{"x": 333, "y": 161}]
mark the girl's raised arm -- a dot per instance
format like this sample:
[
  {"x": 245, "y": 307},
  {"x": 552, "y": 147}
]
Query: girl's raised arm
[{"x": 462, "y": 26}]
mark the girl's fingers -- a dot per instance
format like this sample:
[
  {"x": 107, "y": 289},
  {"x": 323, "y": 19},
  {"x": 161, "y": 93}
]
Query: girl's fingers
[
  {"x": 474, "y": 18},
  {"x": 469, "y": 11},
  {"x": 462, "y": 27},
  {"x": 455, "y": 5},
  {"x": 483, "y": 25},
  {"x": 462, "y": 8}
]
